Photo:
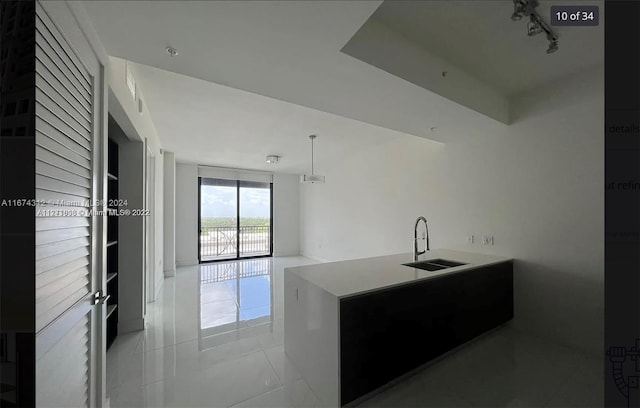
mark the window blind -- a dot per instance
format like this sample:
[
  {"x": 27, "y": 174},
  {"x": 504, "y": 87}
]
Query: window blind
[{"x": 235, "y": 174}]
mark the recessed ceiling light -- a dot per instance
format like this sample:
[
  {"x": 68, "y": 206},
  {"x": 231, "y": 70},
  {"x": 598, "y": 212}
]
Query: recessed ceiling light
[
  {"x": 172, "y": 51},
  {"x": 273, "y": 159}
]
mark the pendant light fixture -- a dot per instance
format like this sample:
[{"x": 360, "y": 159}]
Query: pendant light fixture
[{"x": 311, "y": 178}]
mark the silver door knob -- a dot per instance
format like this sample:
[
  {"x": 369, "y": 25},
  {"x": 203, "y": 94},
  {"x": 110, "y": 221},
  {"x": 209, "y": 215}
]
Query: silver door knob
[{"x": 98, "y": 298}]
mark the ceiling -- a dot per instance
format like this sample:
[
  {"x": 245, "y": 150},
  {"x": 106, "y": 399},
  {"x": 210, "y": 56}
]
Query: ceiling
[
  {"x": 480, "y": 38},
  {"x": 224, "y": 126},
  {"x": 257, "y": 77}
]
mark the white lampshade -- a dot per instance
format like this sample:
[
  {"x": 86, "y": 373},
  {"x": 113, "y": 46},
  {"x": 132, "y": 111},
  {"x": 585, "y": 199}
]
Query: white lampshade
[{"x": 311, "y": 178}]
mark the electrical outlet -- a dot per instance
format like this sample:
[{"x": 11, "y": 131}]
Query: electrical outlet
[
  {"x": 487, "y": 240},
  {"x": 470, "y": 239}
]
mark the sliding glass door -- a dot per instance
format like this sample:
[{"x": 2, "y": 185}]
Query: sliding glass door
[
  {"x": 255, "y": 218},
  {"x": 218, "y": 219},
  {"x": 235, "y": 219}
]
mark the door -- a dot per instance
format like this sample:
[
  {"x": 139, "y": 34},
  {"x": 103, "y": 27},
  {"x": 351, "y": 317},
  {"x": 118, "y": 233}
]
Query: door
[
  {"x": 235, "y": 219},
  {"x": 255, "y": 219},
  {"x": 69, "y": 142},
  {"x": 218, "y": 219}
]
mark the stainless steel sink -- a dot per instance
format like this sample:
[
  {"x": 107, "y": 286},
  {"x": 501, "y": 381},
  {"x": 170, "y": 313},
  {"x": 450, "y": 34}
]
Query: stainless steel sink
[
  {"x": 445, "y": 262},
  {"x": 434, "y": 264},
  {"x": 426, "y": 266}
]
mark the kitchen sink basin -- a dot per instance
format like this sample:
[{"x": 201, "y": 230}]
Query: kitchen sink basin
[
  {"x": 426, "y": 266},
  {"x": 445, "y": 262},
  {"x": 434, "y": 264}
]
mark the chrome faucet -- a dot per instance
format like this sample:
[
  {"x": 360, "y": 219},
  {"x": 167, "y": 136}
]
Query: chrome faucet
[{"x": 425, "y": 236}]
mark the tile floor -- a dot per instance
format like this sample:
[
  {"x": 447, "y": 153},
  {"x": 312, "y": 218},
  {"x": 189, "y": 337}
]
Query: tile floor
[{"x": 215, "y": 339}]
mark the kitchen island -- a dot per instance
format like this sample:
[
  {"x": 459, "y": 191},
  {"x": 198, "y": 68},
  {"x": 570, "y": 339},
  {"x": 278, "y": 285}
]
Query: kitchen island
[{"x": 351, "y": 327}]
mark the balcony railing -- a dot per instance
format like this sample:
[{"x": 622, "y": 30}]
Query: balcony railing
[{"x": 221, "y": 242}]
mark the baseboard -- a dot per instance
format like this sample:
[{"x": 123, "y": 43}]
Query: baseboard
[
  {"x": 158, "y": 289},
  {"x": 169, "y": 273},
  {"x": 287, "y": 253},
  {"x": 132, "y": 325},
  {"x": 186, "y": 263},
  {"x": 315, "y": 258}
]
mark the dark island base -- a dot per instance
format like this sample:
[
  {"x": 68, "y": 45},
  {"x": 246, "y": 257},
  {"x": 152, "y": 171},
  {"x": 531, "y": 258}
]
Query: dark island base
[{"x": 388, "y": 333}]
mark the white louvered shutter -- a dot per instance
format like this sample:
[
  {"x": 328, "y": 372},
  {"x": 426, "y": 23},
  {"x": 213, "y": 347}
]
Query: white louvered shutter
[{"x": 64, "y": 143}]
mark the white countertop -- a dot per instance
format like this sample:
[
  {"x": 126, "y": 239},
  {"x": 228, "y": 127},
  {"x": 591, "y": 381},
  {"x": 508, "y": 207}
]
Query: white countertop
[{"x": 348, "y": 278}]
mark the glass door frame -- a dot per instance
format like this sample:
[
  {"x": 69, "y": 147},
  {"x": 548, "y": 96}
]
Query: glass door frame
[{"x": 237, "y": 257}]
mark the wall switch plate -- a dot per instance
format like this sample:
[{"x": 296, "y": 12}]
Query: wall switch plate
[
  {"x": 487, "y": 240},
  {"x": 470, "y": 239}
]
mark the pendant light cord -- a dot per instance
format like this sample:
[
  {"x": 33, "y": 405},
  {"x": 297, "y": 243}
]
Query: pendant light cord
[{"x": 312, "y": 156}]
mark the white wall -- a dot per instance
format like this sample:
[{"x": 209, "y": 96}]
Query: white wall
[
  {"x": 186, "y": 214},
  {"x": 286, "y": 218},
  {"x": 370, "y": 201},
  {"x": 537, "y": 188},
  {"x": 169, "y": 200}
]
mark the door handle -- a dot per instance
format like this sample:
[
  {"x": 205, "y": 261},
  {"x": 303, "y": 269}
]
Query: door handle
[{"x": 98, "y": 298}]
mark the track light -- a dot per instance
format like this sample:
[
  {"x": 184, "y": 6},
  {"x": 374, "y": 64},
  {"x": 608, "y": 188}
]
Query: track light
[
  {"x": 553, "y": 43},
  {"x": 536, "y": 24},
  {"x": 518, "y": 10},
  {"x": 533, "y": 26}
]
